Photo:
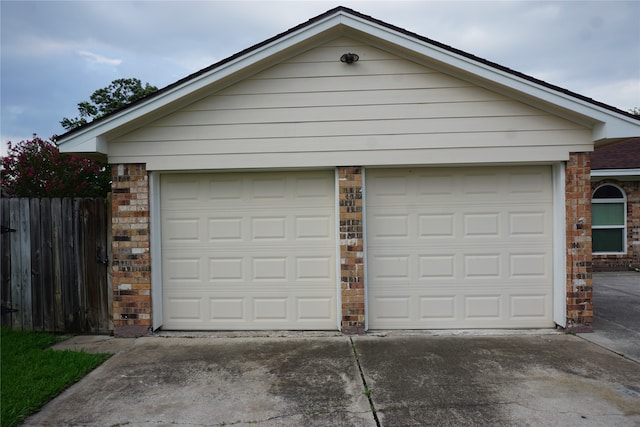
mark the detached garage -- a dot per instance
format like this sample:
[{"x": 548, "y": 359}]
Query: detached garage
[{"x": 350, "y": 175}]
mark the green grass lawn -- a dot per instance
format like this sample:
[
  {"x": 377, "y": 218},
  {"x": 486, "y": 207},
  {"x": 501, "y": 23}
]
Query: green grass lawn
[{"x": 32, "y": 373}]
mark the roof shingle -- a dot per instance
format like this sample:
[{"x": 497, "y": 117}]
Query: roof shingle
[{"x": 623, "y": 155}]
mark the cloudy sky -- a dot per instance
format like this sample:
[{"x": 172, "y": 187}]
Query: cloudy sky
[{"x": 55, "y": 54}]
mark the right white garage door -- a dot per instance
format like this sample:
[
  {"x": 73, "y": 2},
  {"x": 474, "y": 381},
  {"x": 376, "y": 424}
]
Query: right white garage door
[{"x": 459, "y": 247}]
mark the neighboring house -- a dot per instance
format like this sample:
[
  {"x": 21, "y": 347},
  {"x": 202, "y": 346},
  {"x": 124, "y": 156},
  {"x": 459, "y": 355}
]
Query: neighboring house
[
  {"x": 615, "y": 181},
  {"x": 348, "y": 174}
]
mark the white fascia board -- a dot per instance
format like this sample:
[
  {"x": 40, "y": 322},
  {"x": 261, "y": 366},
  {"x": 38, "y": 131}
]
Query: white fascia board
[
  {"x": 607, "y": 124},
  {"x": 615, "y": 172}
]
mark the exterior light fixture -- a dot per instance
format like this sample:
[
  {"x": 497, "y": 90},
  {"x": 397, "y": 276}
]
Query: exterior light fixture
[{"x": 349, "y": 58}]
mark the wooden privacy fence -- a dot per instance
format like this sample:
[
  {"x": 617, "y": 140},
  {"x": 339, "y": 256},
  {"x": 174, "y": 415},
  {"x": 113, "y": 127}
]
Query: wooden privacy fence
[{"x": 55, "y": 256}]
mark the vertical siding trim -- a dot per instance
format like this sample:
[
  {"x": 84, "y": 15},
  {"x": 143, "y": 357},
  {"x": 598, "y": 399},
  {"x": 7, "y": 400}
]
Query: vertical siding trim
[
  {"x": 156, "y": 251},
  {"x": 364, "y": 249},
  {"x": 559, "y": 245},
  {"x": 336, "y": 196}
]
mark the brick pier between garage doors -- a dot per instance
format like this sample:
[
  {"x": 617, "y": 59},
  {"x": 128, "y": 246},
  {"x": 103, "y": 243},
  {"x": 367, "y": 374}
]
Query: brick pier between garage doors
[{"x": 132, "y": 296}]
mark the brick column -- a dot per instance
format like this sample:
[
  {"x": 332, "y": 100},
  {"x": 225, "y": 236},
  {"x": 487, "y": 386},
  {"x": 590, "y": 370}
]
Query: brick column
[
  {"x": 351, "y": 250},
  {"x": 130, "y": 248},
  {"x": 578, "y": 217}
]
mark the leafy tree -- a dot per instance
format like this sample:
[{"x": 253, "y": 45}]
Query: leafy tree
[
  {"x": 36, "y": 168},
  {"x": 635, "y": 111},
  {"x": 118, "y": 94}
]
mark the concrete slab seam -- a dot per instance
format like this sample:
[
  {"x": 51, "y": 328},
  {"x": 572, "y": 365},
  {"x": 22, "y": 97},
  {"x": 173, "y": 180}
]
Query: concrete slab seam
[
  {"x": 367, "y": 390},
  {"x": 604, "y": 347}
]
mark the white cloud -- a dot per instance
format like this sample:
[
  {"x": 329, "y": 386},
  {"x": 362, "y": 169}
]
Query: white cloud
[
  {"x": 13, "y": 111},
  {"x": 95, "y": 58}
]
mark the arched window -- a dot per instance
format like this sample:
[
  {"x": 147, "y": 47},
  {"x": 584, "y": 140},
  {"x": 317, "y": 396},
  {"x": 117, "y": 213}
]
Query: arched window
[{"x": 609, "y": 220}]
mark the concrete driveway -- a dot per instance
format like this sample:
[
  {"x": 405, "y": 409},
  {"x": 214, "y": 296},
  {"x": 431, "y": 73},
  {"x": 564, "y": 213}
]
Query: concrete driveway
[
  {"x": 616, "y": 324},
  {"x": 523, "y": 378}
]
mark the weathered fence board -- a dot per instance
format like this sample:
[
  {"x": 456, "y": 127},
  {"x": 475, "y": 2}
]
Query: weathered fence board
[
  {"x": 54, "y": 265},
  {"x": 5, "y": 279}
]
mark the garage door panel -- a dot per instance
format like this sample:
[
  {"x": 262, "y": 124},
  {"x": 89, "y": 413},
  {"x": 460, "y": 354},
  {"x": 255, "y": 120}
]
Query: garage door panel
[
  {"x": 482, "y": 183},
  {"x": 390, "y": 267},
  {"x": 318, "y": 188},
  {"x": 269, "y": 269},
  {"x": 268, "y": 188},
  {"x": 462, "y": 248},
  {"x": 313, "y": 268},
  {"x": 393, "y": 308},
  {"x": 529, "y": 224},
  {"x": 316, "y": 227},
  {"x": 390, "y": 226},
  {"x": 311, "y": 309},
  {"x": 482, "y": 307},
  {"x": 254, "y": 250},
  {"x": 435, "y": 184},
  {"x": 225, "y": 228},
  {"x": 535, "y": 306},
  {"x": 270, "y": 309},
  {"x": 181, "y": 190},
  {"x": 224, "y": 189},
  {"x": 528, "y": 183},
  {"x": 227, "y": 309},
  {"x": 481, "y": 224},
  {"x": 481, "y": 265},
  {"x": 181, "y": 309},
  {"x": 436, "y": 225},
  {"x": 184, "y": 269},
  {"x": 437, "y": 267},
  {"x": 530, "y": 265},
  {"x": 438, "y": 308},
  {"x": 182, "y": 230}
]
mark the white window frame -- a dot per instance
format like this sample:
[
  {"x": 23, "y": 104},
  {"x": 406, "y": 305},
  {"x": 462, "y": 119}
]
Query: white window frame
[{"x": 622, "y": 227}]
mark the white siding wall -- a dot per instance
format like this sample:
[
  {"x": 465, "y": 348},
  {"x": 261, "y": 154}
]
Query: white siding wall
[{"x": 313, "y": 110}]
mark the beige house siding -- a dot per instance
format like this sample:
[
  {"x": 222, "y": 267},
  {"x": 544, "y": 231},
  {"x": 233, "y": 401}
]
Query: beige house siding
[{"x": 313, "y": 110}]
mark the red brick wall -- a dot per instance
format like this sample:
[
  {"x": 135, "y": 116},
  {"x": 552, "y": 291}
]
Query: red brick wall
[
  {"x": 131, "y": 257},
  {"x": 578, "y": 217},
  {"x": 632, "y": 258},
  {"x": 351, "y": 250}
]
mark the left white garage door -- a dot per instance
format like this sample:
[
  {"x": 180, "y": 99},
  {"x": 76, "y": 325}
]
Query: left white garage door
[{"x": 248, "y": 251}]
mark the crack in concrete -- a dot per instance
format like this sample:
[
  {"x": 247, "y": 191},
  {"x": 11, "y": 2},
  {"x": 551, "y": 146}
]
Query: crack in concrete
[{"x": 367, "y": 390}]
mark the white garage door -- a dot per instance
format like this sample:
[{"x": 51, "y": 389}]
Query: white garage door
[
  {"x": 248, "y": 251},
  {"x": 459, "y": 247}
]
